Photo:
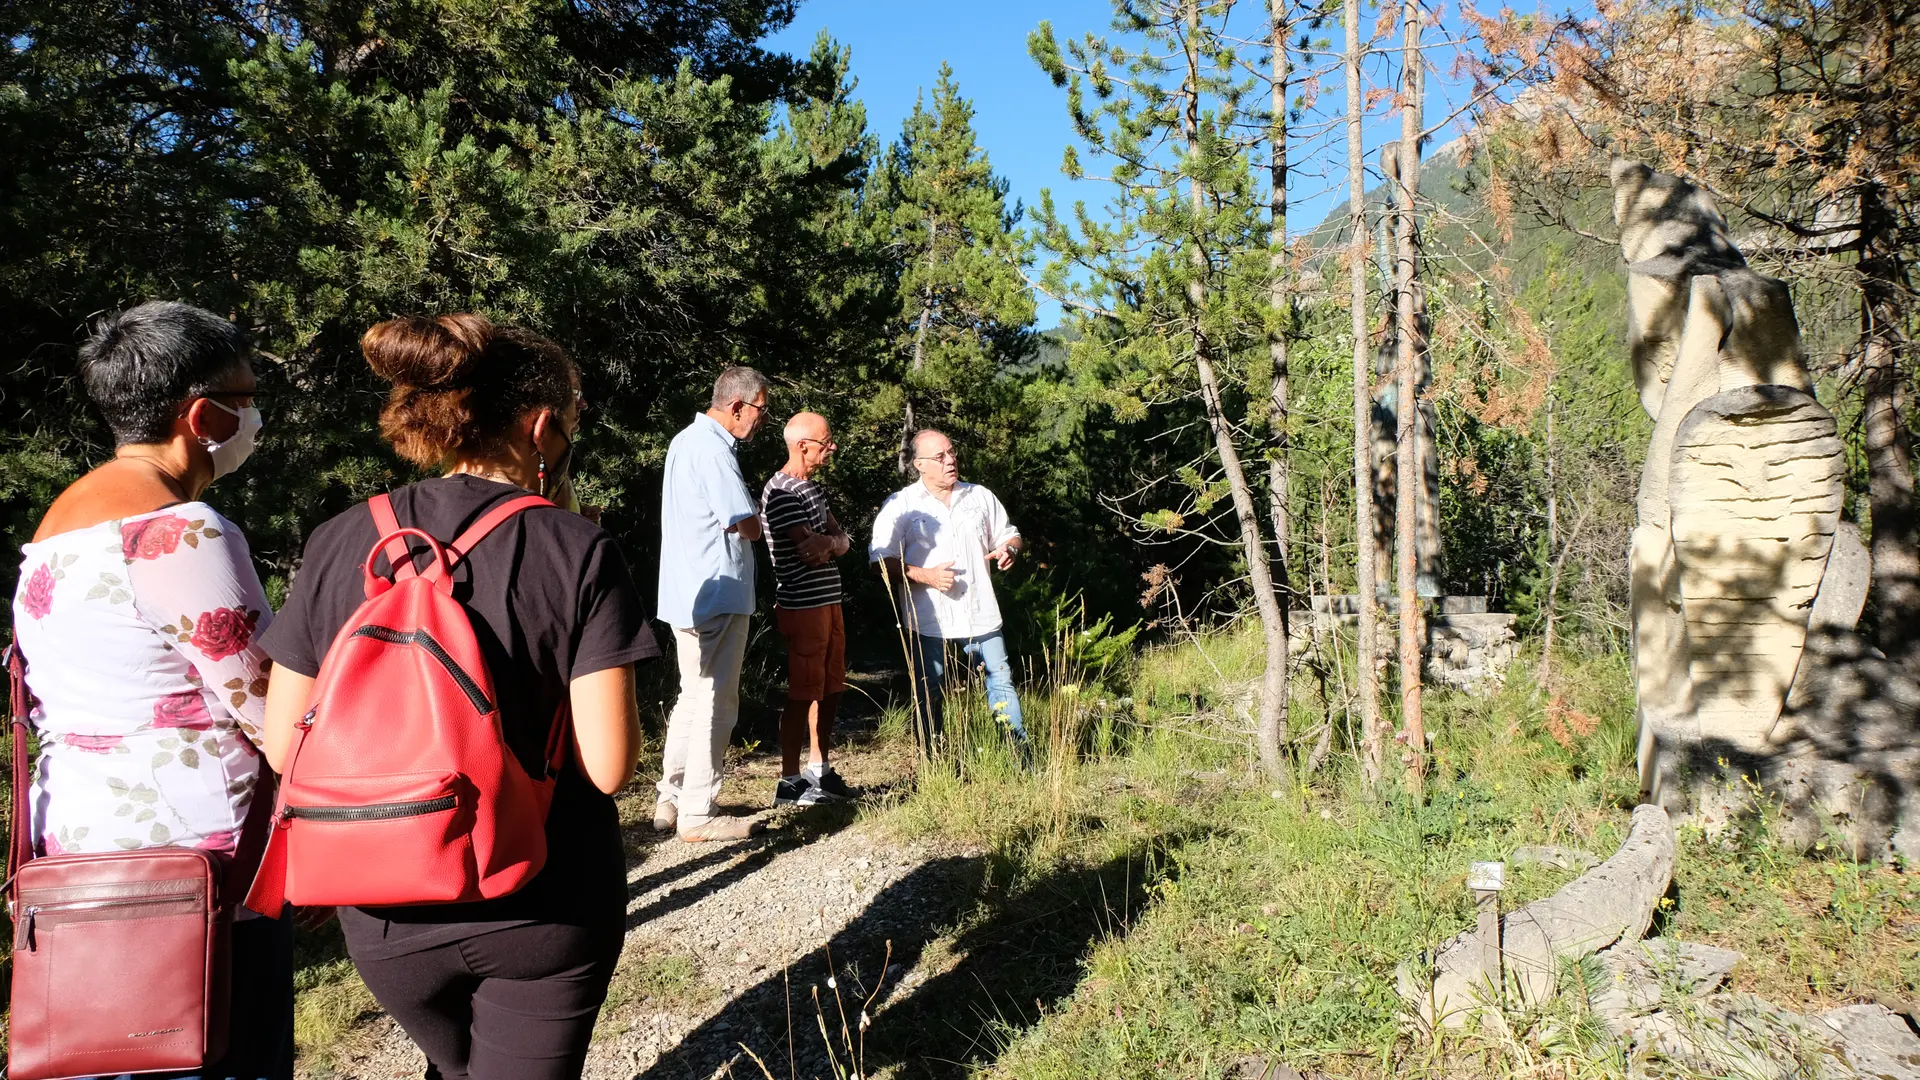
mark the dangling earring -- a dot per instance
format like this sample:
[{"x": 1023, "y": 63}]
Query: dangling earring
[{"x": 543, "y": 471}]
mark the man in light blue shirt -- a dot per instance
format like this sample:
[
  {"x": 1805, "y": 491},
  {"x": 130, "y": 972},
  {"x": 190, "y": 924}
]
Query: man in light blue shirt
[{"x": 708, "y": 523}]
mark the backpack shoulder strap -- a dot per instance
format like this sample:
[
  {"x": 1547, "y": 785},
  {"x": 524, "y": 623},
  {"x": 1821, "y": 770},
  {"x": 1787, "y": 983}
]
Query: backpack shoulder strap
[
  {"x": 399, "y": 556},
  {"x": 478, "y": 530}
]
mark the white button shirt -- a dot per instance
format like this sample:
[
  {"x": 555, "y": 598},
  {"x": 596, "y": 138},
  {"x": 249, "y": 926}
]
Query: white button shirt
[{"x": 916, "y": 527}]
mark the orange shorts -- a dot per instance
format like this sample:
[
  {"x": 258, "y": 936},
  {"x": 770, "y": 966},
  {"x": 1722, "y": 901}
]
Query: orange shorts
[{"x": 816, "y": 651}]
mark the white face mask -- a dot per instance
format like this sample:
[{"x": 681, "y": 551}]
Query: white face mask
[{"x": 230, "y": 454}]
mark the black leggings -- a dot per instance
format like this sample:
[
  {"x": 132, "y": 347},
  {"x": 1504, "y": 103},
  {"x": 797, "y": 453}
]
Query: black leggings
[{"x": 513, "y": 1004}]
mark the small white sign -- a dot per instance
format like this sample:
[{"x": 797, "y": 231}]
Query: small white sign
[{"x": 1487, "y": 876}]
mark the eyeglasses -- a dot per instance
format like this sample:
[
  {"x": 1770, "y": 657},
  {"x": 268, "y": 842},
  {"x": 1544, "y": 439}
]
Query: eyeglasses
[
  {"x": 827, "y": 444},
  {"x": 751, "y": 405},
  {"x": 944, "y": 455}
]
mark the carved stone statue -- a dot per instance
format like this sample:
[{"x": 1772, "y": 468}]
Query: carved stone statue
[{"x": 1739, "y": 549}]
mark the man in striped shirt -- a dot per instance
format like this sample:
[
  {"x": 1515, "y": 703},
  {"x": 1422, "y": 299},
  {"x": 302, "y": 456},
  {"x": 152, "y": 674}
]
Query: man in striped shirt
[{"x": 803, "y": 539}]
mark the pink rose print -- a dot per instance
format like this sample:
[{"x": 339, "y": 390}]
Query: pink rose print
[
  {"x": 37, "y": 598},
  {"x": 220, "y": 841},
  {"x": 151, "y": 538},
  {"x": 51, "y": 846},
  {"x": 223, "y": 633},
  {"x": 93, "y": 744},
  {"x": 186, "y": 709}
]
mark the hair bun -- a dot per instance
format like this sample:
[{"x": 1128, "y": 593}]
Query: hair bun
[{"x": 427, "y": 354}]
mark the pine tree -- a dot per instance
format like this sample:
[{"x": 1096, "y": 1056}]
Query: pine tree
[
  {"x": 1175, "y": 281},
  {"x": 608, "y": 173},
  {"x": 965, "y": 310}
]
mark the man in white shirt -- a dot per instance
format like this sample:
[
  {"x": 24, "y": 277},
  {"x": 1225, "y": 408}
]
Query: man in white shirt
[{"x": 934, "y": 539}]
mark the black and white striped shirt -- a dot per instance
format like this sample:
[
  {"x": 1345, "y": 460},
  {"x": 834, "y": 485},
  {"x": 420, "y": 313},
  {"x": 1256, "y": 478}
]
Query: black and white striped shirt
[{"x": 788, "y": 501}]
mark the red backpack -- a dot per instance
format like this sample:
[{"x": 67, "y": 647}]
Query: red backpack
[{"x": 400, "y": 787}]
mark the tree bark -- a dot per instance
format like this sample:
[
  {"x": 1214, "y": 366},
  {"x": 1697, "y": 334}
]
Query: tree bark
[
  {"x": 1253, "y": 544},
  {"x": 1280, "y": 324},
  {"x": 1544, "y": 673},
  {"x": 1409, "y": 473},
  {"x": 1895, "y": 576},
  {"x": 1896, "y": 542},
  {"x": 1367, "y": 687},
  {"x": 919, "y": 356}
]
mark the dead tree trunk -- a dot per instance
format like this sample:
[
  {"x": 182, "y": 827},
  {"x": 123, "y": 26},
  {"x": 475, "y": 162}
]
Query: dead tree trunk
[
  {"x": 919, "y": 352},
  {"x": 1412, "y": 342},
  {"x": 1280, "y": 296},
  {"x": 1544, "y": 673},
  {"x": 1372, "y": 750},
  {"x": 1253, "y": 544}
]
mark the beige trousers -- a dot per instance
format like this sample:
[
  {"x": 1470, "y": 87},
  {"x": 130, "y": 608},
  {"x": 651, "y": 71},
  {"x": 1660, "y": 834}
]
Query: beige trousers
[{"x": 710, "y": 656}]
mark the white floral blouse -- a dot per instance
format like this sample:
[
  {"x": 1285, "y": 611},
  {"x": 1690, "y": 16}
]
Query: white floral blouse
[{"x": 139, "y": 640}]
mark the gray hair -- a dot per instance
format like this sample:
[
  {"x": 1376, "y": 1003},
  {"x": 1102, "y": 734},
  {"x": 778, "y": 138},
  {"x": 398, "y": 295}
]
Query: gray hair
[
  {"x": 737, "y": 384},
  {"x": 141, "y": 363},
  {"x": 920, "y": 435}
]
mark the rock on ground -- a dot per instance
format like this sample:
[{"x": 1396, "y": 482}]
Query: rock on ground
[
  {"x": 1638, "y": 976},
  {"x": 1613, "y": 901}
]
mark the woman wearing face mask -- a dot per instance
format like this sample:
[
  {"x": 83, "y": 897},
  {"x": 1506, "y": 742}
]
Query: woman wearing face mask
[
  {"x": 508, "y": 988},
  {"x": 138, "y": 612}
]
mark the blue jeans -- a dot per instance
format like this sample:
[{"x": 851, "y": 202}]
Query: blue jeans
[{"x": 987, "y": 651}]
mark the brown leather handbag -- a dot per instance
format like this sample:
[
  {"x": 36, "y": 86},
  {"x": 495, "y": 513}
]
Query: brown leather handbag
[{"x": 120, "y": 960}]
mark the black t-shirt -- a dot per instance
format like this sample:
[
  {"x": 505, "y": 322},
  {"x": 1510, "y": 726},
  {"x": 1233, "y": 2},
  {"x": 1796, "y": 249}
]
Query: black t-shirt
[{"x": 551, "y": 600}]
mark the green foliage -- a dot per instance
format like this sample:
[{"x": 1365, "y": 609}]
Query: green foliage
[
  {"x": 610, "y": 174},
  {"x": 965, "y": 310},
  {"x": 1171, "y": 274}
]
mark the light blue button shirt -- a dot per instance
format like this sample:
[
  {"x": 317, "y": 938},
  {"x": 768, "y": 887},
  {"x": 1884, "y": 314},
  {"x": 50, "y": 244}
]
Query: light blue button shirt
[{"x": 704, "y": 569}]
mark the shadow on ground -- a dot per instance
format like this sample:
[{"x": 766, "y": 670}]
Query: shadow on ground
[
  {"x": 1016, "y": 948},
  {"x": 748, "y": 858}
]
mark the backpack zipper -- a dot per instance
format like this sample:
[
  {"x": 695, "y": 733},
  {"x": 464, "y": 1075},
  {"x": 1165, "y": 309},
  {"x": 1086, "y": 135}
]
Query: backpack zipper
[
  {"x": 34, "y": 910},
  {"x": 425, "y": 640},
  {"x": 374, "y": 811}
]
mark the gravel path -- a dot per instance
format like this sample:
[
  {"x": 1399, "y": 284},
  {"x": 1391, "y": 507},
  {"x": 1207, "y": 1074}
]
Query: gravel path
[{"x": 719, "y": 932}]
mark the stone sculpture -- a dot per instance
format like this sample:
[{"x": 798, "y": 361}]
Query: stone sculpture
[
  {"x": 1652, "y": 997},
  {"x": 1738, "y": 551}
]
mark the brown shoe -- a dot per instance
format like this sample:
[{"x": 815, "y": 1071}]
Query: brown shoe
[
  {"x": 720, "y": 828},
  {"x": 665, "y": 816}
]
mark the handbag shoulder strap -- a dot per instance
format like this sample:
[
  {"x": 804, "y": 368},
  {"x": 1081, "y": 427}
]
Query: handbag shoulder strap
[
  {"x": 252, "y": 845},
  {"x": 247, "y": 851},
  {"x": 19, "y": 842}
]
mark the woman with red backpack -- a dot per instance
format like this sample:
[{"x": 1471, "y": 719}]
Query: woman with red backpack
[{"x": 508, "y": 986}]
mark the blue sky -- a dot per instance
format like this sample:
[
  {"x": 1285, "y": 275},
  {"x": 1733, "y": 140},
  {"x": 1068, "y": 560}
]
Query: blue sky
[{"x": 1020, "y": 117}]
